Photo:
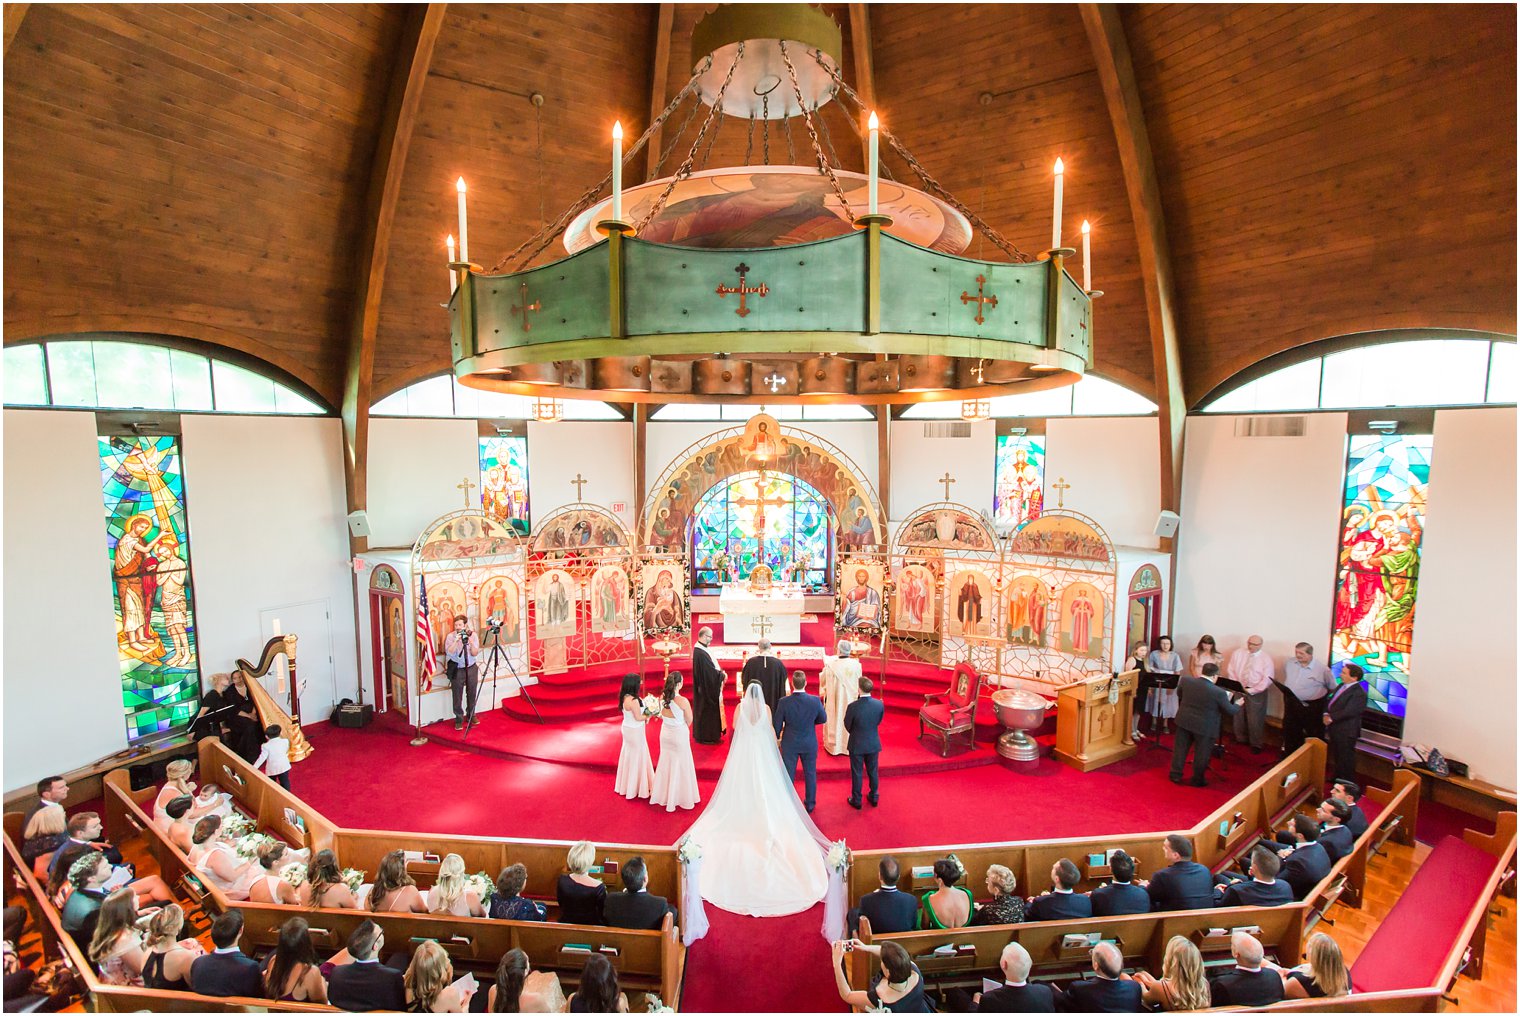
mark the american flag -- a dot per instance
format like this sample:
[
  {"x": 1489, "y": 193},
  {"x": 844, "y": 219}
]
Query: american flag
[{"x": 425, "y": 636}]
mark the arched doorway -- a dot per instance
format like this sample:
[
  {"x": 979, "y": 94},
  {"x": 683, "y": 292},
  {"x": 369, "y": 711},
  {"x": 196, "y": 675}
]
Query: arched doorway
[
  {"x": 387, "y": 613},
  {"x": 762, "y": 517},
  {"x": 1144, "y": 608}
]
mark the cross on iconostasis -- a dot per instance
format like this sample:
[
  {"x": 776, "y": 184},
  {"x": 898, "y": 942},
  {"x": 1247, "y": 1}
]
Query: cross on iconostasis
[
  {"x": 579, "y": 481},
  {"x": 947, "y": 480},
  {"x": 466, "y": 486}
]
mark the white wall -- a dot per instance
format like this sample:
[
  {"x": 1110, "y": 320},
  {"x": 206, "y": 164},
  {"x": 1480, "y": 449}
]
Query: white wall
[
  {"x": 1257, "y": 548},
  {"x": 62, "y": 686},
  {"x": 601, "y": 452},
  {"x": 1114, "y": 467},
  {"x": 1462, "y": 686},
  {"x": 918, "y": 462},
  {"x": 268, "y": 540},
  {"x": 415, "y": 467}
]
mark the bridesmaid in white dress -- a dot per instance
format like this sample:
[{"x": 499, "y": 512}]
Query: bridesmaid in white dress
[
  {"x": 635, "y": 771},
  {"x": 675, "y": 778}
]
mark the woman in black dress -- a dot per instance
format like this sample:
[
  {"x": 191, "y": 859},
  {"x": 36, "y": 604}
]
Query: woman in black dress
[
  {"x": 900, "y": 988},
  {"x": 244, "y": 732},
  {"x": 210, "y": 722},
  {"x": 1006, "y": 906},
  {"x": 1136, "y": 661},
  {"x": 1326, "y": 976},
  {"x": 580, "y": 893}
]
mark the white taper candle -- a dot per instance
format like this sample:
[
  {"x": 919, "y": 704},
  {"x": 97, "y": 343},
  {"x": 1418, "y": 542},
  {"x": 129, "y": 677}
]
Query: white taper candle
[
  {"x": 1086, "y": 257},
  {"x": 453, "y": 279},
  {"x": 464, "y": 232},
  {"x": 874, "y": 160},
  {"x": 1055, "y": 225},
  {"x": 617, "y": 170}
]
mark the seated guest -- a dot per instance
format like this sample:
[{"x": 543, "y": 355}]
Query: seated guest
[
  {"x": 598, "y": 990},
  {"x": 52, "y": 791},
  {"x": 635, "y": 907},
  {"x": 520, "y": 988},
  {"x": 324, "y": 885},
  {"x": 181, "y": 829},
  {"x": 116, "y": 949},
  {"x": 508, "y": 904},
  {"x": 1262, "y": 889},
  {"x": 177, "y": 783},
  {"x": 1305, "y": 864},
  {"x": 1248, "y": 983},
  {"x": 1182, "y": 986},
  {"x": 1120, "y": 896},
  {"x": 429, "y": 982},
  {"x": 85, "y": 827},
  {"x": 210, "y": 800},
  {"x": 219, "y": 862},
  {"x": 1183, "y": 884},
  {"x": 395, "y": 890},
  {"x": 292, "y": 972},
  {"x": 1062, "y": 902},
  {"x": 449, "y": 895},
  {"x": 1323, "y": 976},
  {"x": 364, "y": 983},
  {"x": 45, "y": 832},
  {"x": 580, "y": 894},
  {"x": 898, "y": 988},
  {"x": 1108, "y": 991},
  {"x": 87, "y": 874},
  {"x": 1350, "y": 793},
  {"x": 1334, "y": 835},
  {"x": 58, "y": 885},
  {"x": 948, "y": 905},
  {"x": 1016, "y": 994},
  {"x": 226, "y": 971},
  {"x": 167, "y": 967},
  {"x": 888, "y": 909},
  {"x": 271, "y": 887},
  {"x": 1006, "y": 906}
]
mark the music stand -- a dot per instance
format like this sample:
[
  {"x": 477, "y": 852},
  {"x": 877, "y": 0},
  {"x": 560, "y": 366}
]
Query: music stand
[
  {"x": 1163, "y": 682},
  {"x": 1234, "y": 688}
]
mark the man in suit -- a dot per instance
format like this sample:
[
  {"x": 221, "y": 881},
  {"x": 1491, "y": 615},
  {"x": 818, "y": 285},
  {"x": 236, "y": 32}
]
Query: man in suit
[
  {"x": 707, "y": 692},
  {"x": 85, "y": 829},
  {"x": 1343, "y": 721},
  {"x": 1200, "y": 704},
  {"x": 1183, "y": 884},
  {"x": 1121, "y": 896},
  {"x": 1305, "y": 864},
  {"x": 1334, "y": 835},
  {"x": 226, "y": 971},
  {"x": 1247, "y": 983},
  {"x": 1262, "y": 889},
  {"x": 863, "y": 721},
  {"x": 1350, "y": 792},
  {"x": 635, "y": 907},
  {"x": 52, "y": 791},
  {"x": 889, "y": 910},
  {"x": 1063, "y": 901},
  {"x": 1105, "y": 992},
  {"x": 1016, "y": 994},
  {"x": 366, "y": 984},
  {"x": 768, "y": 672},
  {"x": 796, "y": 720}
]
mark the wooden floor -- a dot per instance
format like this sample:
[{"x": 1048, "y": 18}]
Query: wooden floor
[{"x": 1387, "y": 876}]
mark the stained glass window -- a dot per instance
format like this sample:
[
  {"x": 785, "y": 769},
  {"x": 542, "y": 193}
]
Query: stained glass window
[
  {"x": 504, "y": 480},
  {"x": 147, "y": 544},
  {"x": 780, "y": 520},
  {"x": 1019, "y": 480},
  {"x": 1382, "y": 522}
]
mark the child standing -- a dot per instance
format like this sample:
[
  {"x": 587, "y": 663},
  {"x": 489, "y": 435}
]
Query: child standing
[{"x": 275, "y": 756}]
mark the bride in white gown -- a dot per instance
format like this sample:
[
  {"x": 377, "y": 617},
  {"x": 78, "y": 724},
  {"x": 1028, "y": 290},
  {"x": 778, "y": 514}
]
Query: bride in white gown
[{"x": 761, "y": 853}]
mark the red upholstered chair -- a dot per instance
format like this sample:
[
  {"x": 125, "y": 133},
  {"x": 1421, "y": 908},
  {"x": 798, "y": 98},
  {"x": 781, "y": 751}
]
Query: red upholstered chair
[{"x": 954, "y": 710}]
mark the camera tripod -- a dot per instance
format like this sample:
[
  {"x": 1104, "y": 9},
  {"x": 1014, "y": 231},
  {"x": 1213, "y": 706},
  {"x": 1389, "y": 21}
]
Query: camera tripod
[{"x": 495, "y": 656}]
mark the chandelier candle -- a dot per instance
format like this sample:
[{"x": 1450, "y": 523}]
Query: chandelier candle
[
  {"x": 875, "y": 126},
  {"x": 1086, "y": 257},
  {"x": 464, "y": 233},
  {"x": 617, "y": 170},
  {"x": 1055, "y": 226},
  {"x": 453, "y": 279}
]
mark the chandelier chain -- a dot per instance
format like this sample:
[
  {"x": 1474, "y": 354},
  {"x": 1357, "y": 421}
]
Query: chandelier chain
[
  {"x": 791, "y": 153},
  {"x": 685, "y": 170},
  {"x": 824, "y": 165},
  {"x": 722, "y": 118},
  {"x": 691, "y": 114},
  {"x": 828, "y": 138},
  {"x": 749, "y": 143},
  {"x": 765, "y": 128}
]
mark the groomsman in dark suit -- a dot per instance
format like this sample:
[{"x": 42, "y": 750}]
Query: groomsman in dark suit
[
  {"x": 1183, "y": 884},
  {"x": 863, "y": 721},
  {"x": 796, "y": 720},
  {"x": 889, "y": 909},
  {"x": 1349, "y": 792},
  {"x": 1334, "y": 836},
  {"x": 226, "y": 970},
  {"x": 1262, "y": 889},
  {"x": 1016, "y": 994},
  {"x": 768, "y": 672},
  {"x": 1343, "y": 721},
  {"x": 1063, "y": 902},
  {"x": 1305, "y": 864},
  {"x": 1121, "y": 896}
]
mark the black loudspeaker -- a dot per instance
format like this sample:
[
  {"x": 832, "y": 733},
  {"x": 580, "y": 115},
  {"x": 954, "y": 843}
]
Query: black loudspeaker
[{"x": 351, "y": 715}]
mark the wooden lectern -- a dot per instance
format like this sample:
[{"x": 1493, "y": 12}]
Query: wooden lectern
[{"x": 1093, "y": 721}]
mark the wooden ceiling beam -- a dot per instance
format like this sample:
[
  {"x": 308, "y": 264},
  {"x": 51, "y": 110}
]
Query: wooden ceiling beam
[
  {"x": 14, "y": 13},
  {"x": 659, "y": 84},
  {"x": 409, "y": 71},
  {"x": 1116, "y": 72},
  {"x": 865, "y": 71}
]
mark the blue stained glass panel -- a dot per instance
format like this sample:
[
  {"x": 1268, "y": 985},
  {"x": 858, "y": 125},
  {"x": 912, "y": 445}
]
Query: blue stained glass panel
[{"x": 780, "y": 520}]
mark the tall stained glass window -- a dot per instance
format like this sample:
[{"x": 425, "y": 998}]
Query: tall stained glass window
[
  {"x": 1382, "y": 522},
  {"x": 1019, "y": 486},
  {"x": 745, "y": 520},
  {"x": 148, "y": 546},
  {"x": 504, "y": 480}
]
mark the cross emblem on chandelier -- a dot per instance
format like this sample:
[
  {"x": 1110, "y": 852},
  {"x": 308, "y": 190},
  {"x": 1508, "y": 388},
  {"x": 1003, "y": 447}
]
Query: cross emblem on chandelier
[
  {"x": 742, "y": 289},
  {"x": 775, "y": 380},
  {"x": 525, "y": 306},
  {"x": 979, "y": 299}
]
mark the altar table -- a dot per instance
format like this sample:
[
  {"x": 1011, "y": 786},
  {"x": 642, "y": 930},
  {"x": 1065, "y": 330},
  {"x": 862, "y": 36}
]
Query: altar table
[{"x": 742, "y": 608}]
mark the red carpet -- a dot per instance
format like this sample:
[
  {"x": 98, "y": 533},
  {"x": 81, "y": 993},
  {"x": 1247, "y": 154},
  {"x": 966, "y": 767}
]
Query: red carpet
[{"x": 373, "y": 779}]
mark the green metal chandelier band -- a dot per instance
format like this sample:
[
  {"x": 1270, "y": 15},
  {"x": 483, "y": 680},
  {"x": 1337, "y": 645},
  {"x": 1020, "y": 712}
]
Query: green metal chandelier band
[{"x": 629, "y": 320}]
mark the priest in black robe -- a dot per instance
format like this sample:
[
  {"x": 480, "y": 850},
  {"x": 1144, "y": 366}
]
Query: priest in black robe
[
  {"x": 707, "y": 692},
  {"x": 768, "y": 672}
]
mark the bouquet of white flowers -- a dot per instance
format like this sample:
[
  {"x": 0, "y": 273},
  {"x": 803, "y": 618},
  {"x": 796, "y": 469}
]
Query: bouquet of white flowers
[
  {"x": 688, "y": 850},
  {"x": 656, "y": 1004},
  {"x": 839, "y": 855},
  {"x": 481, "y": 885},
  {"x": 248, "y": 846},
  {"x": 650, "y": 704},
  {"x": 353, "y": 878},
  {"x": 295, "y": 873},
  {"x": 237, "y": 825}
]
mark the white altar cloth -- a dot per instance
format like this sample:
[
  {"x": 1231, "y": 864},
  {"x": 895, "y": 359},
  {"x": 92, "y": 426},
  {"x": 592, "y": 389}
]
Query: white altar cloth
[{"x": 741, "y": 608}]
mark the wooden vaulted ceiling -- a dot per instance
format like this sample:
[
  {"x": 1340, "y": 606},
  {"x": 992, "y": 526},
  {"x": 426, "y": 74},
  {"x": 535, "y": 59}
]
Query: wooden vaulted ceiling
[{"x": 206, "y": 171}]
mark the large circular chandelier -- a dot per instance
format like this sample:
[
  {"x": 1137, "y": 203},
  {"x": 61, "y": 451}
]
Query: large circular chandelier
[{"x": 769, "y": 283}]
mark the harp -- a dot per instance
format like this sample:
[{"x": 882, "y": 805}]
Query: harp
[{"x": 264, "y": 704}]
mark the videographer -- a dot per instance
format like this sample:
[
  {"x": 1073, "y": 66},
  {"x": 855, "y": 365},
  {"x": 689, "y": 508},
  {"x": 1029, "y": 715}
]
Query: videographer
[{"x": 462, "y": 646}]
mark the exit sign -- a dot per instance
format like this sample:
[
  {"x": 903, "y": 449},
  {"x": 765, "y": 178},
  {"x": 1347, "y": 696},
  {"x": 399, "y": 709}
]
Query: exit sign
[{"x": 619, "y": 507}]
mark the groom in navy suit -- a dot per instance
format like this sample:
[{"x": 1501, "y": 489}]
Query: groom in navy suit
[
  {"x": 863, "y": 720},
  {"x": 796, "y": 719}
]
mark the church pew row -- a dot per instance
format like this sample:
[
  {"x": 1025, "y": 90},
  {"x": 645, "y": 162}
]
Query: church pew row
[
  {"x": 1254, "y": 811},
  {"x": 651, "y": 961}
]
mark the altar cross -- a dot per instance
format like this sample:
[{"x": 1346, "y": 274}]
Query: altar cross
[
  {"x": 947, "y": 480},
  {"x": 579, "y": 482},
  {"x": 742, "y": 289},
  {"x": 1060, "y": 487},
  {"x": 525, "y": 306},
  {"x": 466, "y": 486},
  {"x": 979, "y": 299},
  {"x": 759, "y": 502}
]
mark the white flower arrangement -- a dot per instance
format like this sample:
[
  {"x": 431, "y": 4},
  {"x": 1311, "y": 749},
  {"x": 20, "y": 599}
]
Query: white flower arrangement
[
  {"x": 353, "y": 878},
  {"x": 481, "y": 885},
  {"x": 650, "y": 704},
  {"x": 237, "y": 825},
  {"x": 688, "y": 850},
  {"x": 839, "y": 856},
  {"x": 248, "y": 846},
  {"x": 295, "y": 874},
  {"x": 654, "y": 1003}
]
